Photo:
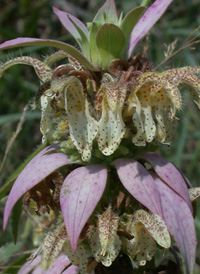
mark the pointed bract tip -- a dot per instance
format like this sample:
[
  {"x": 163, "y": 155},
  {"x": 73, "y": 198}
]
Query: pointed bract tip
[{"x": 147, "y": 21}]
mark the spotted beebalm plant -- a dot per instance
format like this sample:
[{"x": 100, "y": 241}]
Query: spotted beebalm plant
[{"x": 103, "y": 113}]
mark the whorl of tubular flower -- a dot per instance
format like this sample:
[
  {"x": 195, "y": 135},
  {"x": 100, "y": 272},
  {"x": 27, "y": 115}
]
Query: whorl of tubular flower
[
  {"x": 154, "y": 101},
  {"x": 162, "y": 190},
  {"x": 79, "y": 108},
  {"x": 146, "y": 230}
]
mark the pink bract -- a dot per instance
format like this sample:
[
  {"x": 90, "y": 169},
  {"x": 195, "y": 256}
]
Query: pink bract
[
  {"x": 80, "y": 193},
  {"x": 139, "y": 183},
  {"x": 169, "y": 174},
  {"x": 146, "y": 22},
  {"x": 180, "y": 222},
  {"x": 36, "y": 170}
]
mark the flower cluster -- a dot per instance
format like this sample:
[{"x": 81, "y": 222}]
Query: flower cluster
[{"x": 100, "y": 114}]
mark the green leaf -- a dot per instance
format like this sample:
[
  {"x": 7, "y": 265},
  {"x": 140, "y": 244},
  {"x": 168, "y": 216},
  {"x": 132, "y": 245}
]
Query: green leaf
[
  {"x": 15, "y": 217},
  {"x": 8, "y": 184},
  {"x": 107, "y": 13},
  {"x": 95, "y": 56},
  {"x": 129, "y": 22},
  {"x": 84, "y": 43},
  {"x": 52, "y": 246},
  {"x": 110, "y": 43}
]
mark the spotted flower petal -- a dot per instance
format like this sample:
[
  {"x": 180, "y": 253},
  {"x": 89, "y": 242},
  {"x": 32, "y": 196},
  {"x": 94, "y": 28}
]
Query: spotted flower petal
[
  {"x": 153, "y": 104},
  {"x": 79, "y": 257},
  {"x": 155, "y": 226},
  {"x": 46, "y": 117},
  {"x": 180, "y": 222},
  {"x": 185, "y": 75},
  {"x": 80, "y": 193},
  {"x": 169, "y": 174},
  {"x": 142, "y": 246},
  {"x": 170, "y": 88},
  {"x": 111, "y": 129},
  {"x": 107, "y": 225},
  {"x": 104, "y": 242},
  {"x": 139, "y": 183},
  {"x": 143, "y": 120},
  {"x": 112, "y": 250},
  {"x": 37, "y": 169},
  {"x": 150, "y": 17},
  {"x": 194, "y": 193},
  {"x": 111, "y": 124},
  {"x": 42, "y": 70},
  {"x": 83, "y": 127},
  {"x": 52, "y": 246}
]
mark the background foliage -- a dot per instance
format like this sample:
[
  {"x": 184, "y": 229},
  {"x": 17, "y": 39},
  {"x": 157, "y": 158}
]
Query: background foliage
[{"x": 20, "y": 84}]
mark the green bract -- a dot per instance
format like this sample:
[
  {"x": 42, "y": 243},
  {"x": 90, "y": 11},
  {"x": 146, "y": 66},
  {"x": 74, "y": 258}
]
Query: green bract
[{"x": 107, "y": 36}]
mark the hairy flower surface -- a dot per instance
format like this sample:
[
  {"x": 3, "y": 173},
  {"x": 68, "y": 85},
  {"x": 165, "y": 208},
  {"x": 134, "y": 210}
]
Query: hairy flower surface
[{"x": 102, "y": 114}]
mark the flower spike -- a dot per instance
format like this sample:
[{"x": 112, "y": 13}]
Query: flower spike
[{"x": 103, "y": 112}]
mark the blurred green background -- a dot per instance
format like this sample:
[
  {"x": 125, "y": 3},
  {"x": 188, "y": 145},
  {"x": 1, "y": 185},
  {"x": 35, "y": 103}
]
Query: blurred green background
[{"x": 29, "y": 18}]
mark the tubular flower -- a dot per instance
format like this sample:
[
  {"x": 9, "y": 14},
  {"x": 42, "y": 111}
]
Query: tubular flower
[
  {"x": 136, "y": 105},
  {"x": 146, "y": 229},
  {"x": 109, "y": 194}
]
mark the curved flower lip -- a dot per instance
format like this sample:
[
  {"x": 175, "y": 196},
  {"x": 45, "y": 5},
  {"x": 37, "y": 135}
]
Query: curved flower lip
[
  {"x": 37, "y": 169},
  {"x": 146, "y": 22}
]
